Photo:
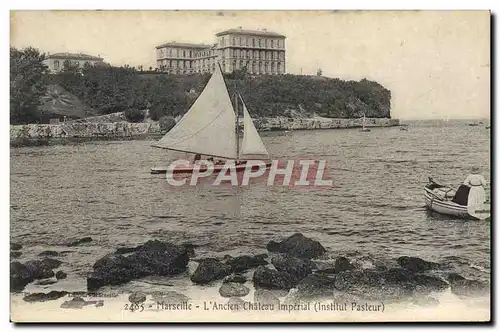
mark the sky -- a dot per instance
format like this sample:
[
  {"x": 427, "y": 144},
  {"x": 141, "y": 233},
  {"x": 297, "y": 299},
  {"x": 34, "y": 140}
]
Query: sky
[{"x": 436, "y": 63}]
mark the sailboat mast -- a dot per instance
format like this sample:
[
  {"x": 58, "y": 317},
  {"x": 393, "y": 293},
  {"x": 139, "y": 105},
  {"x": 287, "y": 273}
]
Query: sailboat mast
[{"x": 237, "y": 122}]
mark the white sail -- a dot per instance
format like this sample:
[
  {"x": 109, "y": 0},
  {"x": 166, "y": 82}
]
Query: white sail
[
  {"x": 252, "y": 146},
  {"x": 209, "y": 126}
]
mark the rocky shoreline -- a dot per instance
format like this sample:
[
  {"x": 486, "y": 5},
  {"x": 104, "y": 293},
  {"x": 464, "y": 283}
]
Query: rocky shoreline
[
  {"x": 47, "y": 134},
  {"x": 290, "y": 273}
]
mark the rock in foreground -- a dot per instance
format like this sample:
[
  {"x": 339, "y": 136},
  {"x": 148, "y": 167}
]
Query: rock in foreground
[
  {"x": 416, "y": 264},
  {"x": 272, "y": 279},
  {"x": 232, "y": 289},
  {"x": 42, "y": 297},
  {"x": 153, "y": 258},
  {"x": 298, "y": 245},
  {"x": 210, "y": 269}
]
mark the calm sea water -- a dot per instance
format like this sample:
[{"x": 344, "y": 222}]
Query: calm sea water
[{"x": 375, "y": 209}]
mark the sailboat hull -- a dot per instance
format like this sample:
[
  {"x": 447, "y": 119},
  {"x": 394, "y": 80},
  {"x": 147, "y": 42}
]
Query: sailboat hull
[{"x": 215, "y": 169}]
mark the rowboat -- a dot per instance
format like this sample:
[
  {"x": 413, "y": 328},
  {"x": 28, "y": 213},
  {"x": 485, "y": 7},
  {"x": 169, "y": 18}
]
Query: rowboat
[
  {"x": 211, "y": 128},
  {"x": 446, "y": 200}
]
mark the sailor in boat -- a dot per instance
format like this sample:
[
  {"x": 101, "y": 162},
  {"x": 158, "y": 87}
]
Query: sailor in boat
[{"x": 477, "y": 195}]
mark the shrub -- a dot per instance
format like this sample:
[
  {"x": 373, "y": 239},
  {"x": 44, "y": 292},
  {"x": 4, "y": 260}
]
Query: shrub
[
  {"x": 134, "y": 115},
  {"x": 166, "y": 123}
]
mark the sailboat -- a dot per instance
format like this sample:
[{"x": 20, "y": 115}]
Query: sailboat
[
  {"x": 364, "y": 121},
  {"x": 210, "y": 128}
]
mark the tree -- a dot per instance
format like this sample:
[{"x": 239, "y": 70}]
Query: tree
[
  {"x": 166, "y": 123},
  {"x": 134, "y": 115},
  {"x": 27, "y": 84},
  {"x": 319, "y": 72}
]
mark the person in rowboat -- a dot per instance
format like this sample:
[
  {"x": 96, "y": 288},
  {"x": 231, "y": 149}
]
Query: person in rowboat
[{"x": 477, "y": 195}]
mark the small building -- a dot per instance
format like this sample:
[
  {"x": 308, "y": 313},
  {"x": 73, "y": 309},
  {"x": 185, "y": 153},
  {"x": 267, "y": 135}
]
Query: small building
[{"x": 59, "y": 61}]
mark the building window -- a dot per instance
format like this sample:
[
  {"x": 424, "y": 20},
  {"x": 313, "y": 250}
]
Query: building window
[
  {"x": 248, "y": 54},
  {"x": 260, "y": 42},
  {"x": 253, "y": 42},
  {"x": 234, "y": 64},
  {"x": 251, "y": 54},
  {"x": 254, "y": 65},
  {"x": 265, "y": 42},
  {"x": 190, "y": 54},
  {"x": 272, "y": 43},
  {"x": 56, "y": 64},
  {"x": 262, "y": 55},
  {"x": 279, "y": 67},
  {"x": 234, "y": 41},
  {"x": 272, "y": 68},
  {"x": 241, "y": 64},
  {"x": 267, "y": 68}
]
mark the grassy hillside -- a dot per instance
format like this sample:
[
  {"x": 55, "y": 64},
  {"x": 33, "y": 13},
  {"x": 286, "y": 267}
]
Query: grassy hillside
[{"x": 111, "y": 89}]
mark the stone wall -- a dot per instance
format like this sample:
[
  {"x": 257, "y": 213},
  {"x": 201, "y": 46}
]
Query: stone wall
[{"x": 20, "y": 133}]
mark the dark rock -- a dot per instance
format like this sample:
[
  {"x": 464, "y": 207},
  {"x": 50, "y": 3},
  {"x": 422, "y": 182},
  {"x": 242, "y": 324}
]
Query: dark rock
[
  {"x": 236, "y": 304},
  {"x": 48, "y": 253},
  {"x": 343, "y": 264},
  {"x": 427, "y": 283},
  {"x": 315, "y": 286},
  {"x": 42, "y": 269},
  {"x": 370, "y": 283},
  {"x": 170, "y": 297},
  {"x": 15, "y": 246},
  {"x": 20, "y": 276},
  {"x": 15, "y": 254},
  {"x": 297, "y": 245},
  {"x": 416, "y": 264},
  {"x": 232, "y": 289},
  {"x": 210, "y": 269},
  {"x": 50, "y": 263},
  {"x": 395, "y": 283},
  {"x": 46, "y": 282},
  {"x": 264, "y": 296},
  {"x": 239, "y": 278},
  {"x": 267, "y": 278},
  {"x": 61, "y": 275},
  {"x": 470, "y": 288},
  {"x": 77, "y": 242},
  {"x": 299, "y": 268},
  {"x": 243, "y": 263},
  {"x": 42, "y": 297},
  {"x": 190, "y": 249},
  {"x": 137, "y": 297},
  {"x": 152, "y": 258},
  {"x": 452, "y": 277},
  {"x": 74, "y": 303}
]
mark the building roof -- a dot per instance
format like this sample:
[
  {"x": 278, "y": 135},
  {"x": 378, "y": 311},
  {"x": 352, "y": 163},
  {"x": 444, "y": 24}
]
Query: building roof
[
  {"x": 240, "y": 31},
  {"x": 75, "y": 56},
  {"x": 186, "y": 45}
]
